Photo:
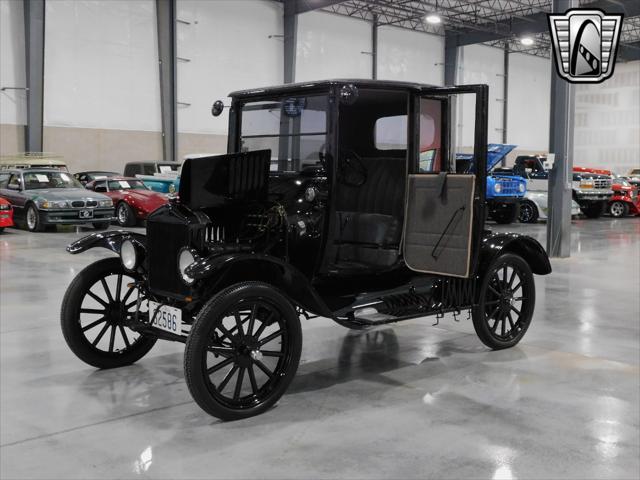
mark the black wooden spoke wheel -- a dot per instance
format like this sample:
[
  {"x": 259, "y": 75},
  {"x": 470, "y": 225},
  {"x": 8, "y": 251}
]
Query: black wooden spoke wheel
[
  {"x": 506, "y": 302},
  {"x": 95, "y": 313},
  {"x": 243, "y": 351}
]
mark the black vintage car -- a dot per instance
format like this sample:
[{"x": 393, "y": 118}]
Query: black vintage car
[{"x": 337, "y": 199}]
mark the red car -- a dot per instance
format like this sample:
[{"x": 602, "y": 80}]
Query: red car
[
  {"x": 6, "y": 214},
  {"x": 132, "y": 199},
  {"x": 625, "y": 199}
]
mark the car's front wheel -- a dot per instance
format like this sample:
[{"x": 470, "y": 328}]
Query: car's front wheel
[
  {"x": 506, "y": 300},
  {"x": 125, "y": 215},
  {"x": 243, "y": 351},
  {"x": 618, "y": 209},
  {"x": 528, "y": 212},
  {"x": 95, "y": 310},
  {"x": 34, "y": 224}
]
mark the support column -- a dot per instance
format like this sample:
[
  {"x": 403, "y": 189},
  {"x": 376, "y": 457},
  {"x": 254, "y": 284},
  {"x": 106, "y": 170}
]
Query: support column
[
  {"x": 561, "y": 145},
  {"x": 374, "y": 47},
  {"x": 34, "y": 49},
  {"x": 450, "y": 58},
  {"x": 505, "y": 104},
  {"x": 166, "y": 20},
  {"x": 290, "y": 37}
]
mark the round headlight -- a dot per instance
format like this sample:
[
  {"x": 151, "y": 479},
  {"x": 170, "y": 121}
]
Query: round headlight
[
  {"x": 128, "y": 255},
  {"x": 497, "y": 187},
  {"x": 186, "y": 258},
  {"x": 521, "y": 187}
]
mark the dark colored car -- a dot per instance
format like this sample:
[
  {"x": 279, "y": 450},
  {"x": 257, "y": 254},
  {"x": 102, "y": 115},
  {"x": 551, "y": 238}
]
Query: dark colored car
[
  {"x": 86, "y": 177},
  {"x": 133, "y": 200},
  {"x": 42, "y": 197},
  {"x": 315, "y": 211}
]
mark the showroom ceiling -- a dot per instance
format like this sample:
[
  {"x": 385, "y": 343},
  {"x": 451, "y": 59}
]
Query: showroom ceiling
[{"x": 492, "y": 22}]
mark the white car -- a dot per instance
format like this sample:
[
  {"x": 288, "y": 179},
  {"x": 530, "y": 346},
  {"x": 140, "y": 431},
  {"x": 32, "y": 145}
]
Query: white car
[{"x": 535, "y": 206}]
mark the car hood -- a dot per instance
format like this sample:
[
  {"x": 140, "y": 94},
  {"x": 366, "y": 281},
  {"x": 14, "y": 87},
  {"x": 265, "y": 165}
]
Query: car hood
[
  {"x": 146, "y": 196},
  {"x": 495, "y": 153},
  {"x": 66, "y": 194}
]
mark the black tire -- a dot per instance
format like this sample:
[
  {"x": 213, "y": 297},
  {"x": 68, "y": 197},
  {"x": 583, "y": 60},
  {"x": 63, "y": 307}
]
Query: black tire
[
  {"x": 528, "y": 212},
  {"x": 212, "y": 346},
  {"x": 125, "y": 215},
  {"x": 101, "y": 225},
  {"x": 114, "y": 306},
  {"x": 593, "y": 210},
  {"x": 500, "y": 302},
  {"x": 505, "y": 215},
  {"x": 32, "y": 219},
  {"x": 618, "y": 209}
]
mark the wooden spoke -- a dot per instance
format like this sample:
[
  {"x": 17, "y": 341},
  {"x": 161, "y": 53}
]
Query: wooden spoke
[
  {"x": 227, "y": 377},
  {"x": 97, "y": 299},
  {"x": 118, "y": 287},
  {"x": 513, "y": 277},
  {"x": 238, "y": 324},
  {"x": 106, "y": 290},
  {"x": 252, "y": 319},
  {"x": 128, "y": 294},
  {"x": 236, "y": 393},
  {"x": 252, "y": 378},
  {"x": 224, "y": 351},
  {"x": 264, "y": 368},
  {"x": 100, "y": 335},
  {"x": 220, "y": 365},
  {"x": 93, "y": 324},
  {"x": 514, "y": 309},
  {"x": 274, "y": 335},
  {"x": 92, "y": 310},
  {"x": 124, "y": 336},
  {"x": 112, "y": 338},
  {"x": 271, "y": 353}
]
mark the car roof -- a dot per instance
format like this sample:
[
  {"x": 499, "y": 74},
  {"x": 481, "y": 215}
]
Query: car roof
[
  {"x": 319, "y": 84},
  {"x": 98, "y": 171},
  {"x": 33, "y": 170}
]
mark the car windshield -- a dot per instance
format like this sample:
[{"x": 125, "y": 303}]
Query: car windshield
[
  {"x": 49, "y": 179},
  {"x": 126, "y": 185},
  {"x": 293, "y": 128},
  {"x": 168, "y": 168}
]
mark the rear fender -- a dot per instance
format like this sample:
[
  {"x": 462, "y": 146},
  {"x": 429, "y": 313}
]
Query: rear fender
[
  {"x": 111, "y": 240},
  {"x": 496, "y": 244},
  {"x": 219, "y": 271}
]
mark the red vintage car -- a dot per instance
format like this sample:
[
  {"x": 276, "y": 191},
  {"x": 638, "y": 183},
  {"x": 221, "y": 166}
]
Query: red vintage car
[
  {"x": 6, "y": 214},
  {"x": 625, "y": 199},
  {"x": 133, "y": 200}
]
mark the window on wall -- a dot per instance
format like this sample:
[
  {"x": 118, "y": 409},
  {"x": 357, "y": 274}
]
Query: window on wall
[{"x": 430, "y": 159}]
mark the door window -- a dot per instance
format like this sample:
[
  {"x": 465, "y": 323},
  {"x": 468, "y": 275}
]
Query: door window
[
  {"x": 430, "y": 159},
  {"x": 14, "y": 181}
]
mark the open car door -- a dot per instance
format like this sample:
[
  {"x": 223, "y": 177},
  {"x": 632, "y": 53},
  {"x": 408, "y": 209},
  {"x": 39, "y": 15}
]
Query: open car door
[{"x": 444, "y": 210}]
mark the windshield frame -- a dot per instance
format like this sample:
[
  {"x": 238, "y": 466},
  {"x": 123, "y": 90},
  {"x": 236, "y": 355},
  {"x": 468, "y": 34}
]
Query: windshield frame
[{"x": 237, "y": 108}]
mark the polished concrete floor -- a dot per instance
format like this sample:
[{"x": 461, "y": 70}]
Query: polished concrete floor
[{"x": 408, "y": 401}]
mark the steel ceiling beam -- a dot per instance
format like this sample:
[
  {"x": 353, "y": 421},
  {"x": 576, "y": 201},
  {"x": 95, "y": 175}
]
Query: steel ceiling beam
[
  {"x": 290, "y": 39},
  {"x": 302, "y": 6}
]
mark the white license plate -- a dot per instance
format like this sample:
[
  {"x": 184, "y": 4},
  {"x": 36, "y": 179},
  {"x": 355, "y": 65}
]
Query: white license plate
[
  {"x": 85, "y": 214},
  {"x": 165, "y": 317}
]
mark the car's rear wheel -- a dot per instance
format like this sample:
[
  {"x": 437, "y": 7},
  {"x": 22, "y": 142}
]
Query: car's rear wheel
[
  {"x": 618, "y": 209},
  {"x": 95, "y": 310},
  {"x": 33, "y": 219},
  {"x": 243, "y": 351},
  {"x": 506, "y": 302},
  {"x": 125, "y": 215},
  {"x": 528, "y": 212}
]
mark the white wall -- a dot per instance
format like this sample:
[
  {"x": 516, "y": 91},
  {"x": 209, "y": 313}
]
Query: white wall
[
  {"x": 529, "y": 101},
  {"x": 410, "y": 56},
  {"x": 480, "y": 64},
  {"x": 607, "y": 121},
  {"x": 13, "y": 103},
  {"x": 101, "y": 65},
  {"x": 331, "y": 46},
  {"x": 229, "y": 47}
]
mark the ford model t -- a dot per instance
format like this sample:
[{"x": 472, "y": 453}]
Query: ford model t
[{"x": 338, "y": 199}]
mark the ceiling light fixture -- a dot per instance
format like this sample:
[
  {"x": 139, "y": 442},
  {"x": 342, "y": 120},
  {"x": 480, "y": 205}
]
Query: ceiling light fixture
[
  {"x": 527, "y": 41},
  {"x": 433, "y": 18}
]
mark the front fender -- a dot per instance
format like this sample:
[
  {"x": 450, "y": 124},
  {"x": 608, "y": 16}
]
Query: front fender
[
  {"x": 111, "y": 240},
  {"x": 495, "y": 244},
  {"x": 225, "y": 270}
]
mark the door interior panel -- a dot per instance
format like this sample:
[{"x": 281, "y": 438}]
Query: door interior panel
[{"x": 438, "y": 222}]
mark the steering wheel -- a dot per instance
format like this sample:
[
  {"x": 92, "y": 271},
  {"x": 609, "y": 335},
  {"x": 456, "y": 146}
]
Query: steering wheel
[{"x": 351, "y": 170}]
